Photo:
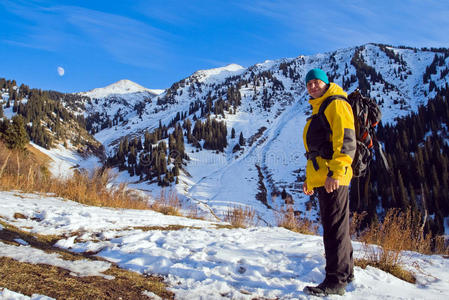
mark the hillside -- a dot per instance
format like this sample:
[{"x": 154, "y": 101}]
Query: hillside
[
  {"x": 197, "y": 259},
  {"x": 45, "y": 118},
  {"x": 266, "y": 105},
  {"x": 232, "y": 136},
  {"x": 218, "y": 139}
]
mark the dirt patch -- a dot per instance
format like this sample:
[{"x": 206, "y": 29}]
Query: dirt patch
[
  {"x": 56, "y": 282},
  {"x": 19, "y": 216},
  {"x": 43, "y": 242}
]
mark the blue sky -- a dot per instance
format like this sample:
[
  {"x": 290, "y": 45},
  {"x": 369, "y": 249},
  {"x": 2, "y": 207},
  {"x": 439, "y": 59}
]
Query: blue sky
[{"x": 156, "y": 43}]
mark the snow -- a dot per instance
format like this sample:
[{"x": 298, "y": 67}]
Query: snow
[
  {"x": 63, "y": 160},
  {"x": 123, "y": 86},
  {"x": 6, "y": 294},
  {"x": 52, "y": 215},
  {"x": 31, "y": 255},
  {"x": 214, "y": 182},
  {"x": 21, "y": 242},
  {"x": 151, "y": 295},
  {"x": 202, "y": 261},
  {"x": 219, "y": 73},
  {"x": 218, "y": 263}
]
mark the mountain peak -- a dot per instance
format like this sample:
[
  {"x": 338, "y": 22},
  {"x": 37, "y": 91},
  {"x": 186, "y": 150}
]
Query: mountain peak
[
  {"x": 126, "y": 85},
  {"x": 221, "y": 71},
  {"x": 123, "y": 86},
  {"x": 233, "y": 67}
]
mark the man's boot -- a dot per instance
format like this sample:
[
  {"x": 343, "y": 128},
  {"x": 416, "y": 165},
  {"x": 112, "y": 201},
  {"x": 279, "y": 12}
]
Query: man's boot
[{"x": 325, "y": 288}]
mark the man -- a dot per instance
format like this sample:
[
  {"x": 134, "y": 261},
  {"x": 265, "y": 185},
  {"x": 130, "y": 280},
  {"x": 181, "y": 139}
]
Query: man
[{"x": 330, "y": 142}]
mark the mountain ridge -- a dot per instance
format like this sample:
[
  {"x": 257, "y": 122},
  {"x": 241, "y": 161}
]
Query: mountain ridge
[
  {"x": 267, "y": 105},
  {"x": 270, "y": 98}
]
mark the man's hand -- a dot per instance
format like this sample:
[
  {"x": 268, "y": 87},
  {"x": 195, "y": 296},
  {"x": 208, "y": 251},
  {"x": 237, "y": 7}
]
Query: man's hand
[
  {"x": 305, "y": 190},
  {"x": 331, "y": 184}
]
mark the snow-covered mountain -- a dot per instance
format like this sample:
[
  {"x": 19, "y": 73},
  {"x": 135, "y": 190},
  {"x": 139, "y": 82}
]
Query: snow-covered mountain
[
  {"x": 267, "y": 103},
  {"x": 120, "y": 87},
  {"x": 218, "y": 74},
  {"x": 116, "y": 103}
]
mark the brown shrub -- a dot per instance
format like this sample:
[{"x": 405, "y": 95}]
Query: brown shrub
[
  {"x": 355, "y": 223},
  {"x": 286, "y": 218},
  {"x": 441, "y": 245},
  {"x": 167, "y": 203},
  {"x": 399, "y": 231},
  {"x": 395, "y": 270},
  {"x": 239, "y": 216},
  {"x": 23, "y": 170}
]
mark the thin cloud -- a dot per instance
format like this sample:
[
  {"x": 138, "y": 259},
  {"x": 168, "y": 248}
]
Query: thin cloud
[
  {"x": 129, "y": 41},
  {"x": 186, "y": 13},
  {"x": 327, "y": 25},
  {"x": 38, "y": 27},
  {"x": 52, "y": 28}
]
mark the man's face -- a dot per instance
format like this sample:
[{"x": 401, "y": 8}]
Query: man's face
[{"x": 316, "y": 88}]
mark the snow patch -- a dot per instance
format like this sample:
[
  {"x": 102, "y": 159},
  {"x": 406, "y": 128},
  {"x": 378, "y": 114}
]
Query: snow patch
[
  {"x": 6, "y": 294},
  {"x": 219, "y": 73},
  {"x": 31, "y": 255}
]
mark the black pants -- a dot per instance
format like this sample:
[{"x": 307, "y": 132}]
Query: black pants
[{"x": 334, "y": 210}]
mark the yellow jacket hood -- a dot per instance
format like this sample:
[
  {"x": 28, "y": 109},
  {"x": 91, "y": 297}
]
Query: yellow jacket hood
[{"x": 333, "y": 89}]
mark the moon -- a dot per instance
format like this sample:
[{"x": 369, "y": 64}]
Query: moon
[{"x": 61, "y": 71}]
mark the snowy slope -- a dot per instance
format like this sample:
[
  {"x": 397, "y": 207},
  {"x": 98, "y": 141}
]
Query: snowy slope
[
  {"x": 276, "y": 155},
  {"x": 115, "y": 104},
  {"x": 271, "y": 117},
  {"x": 120, "y": 87},
  {"x": 203, "y": 261}
]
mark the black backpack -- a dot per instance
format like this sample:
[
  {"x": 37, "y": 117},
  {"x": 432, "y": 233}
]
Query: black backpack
[{"x": 367, "y": 115}]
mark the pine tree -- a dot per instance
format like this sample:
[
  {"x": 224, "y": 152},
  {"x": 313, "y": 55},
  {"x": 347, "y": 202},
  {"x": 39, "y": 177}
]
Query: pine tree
[
  {"x": 16, "y": 136},
  {"x": 411, "y": 190},
  {"x": 403, "y": 201},
  {"x": 241, "y": 139}
]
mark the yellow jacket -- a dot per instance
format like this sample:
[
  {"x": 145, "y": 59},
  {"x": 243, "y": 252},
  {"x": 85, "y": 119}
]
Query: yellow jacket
[{"x": 341, "y": 120}]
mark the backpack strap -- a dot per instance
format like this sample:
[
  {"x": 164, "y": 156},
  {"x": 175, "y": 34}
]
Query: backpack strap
[
  {"x": 323, "y": 107},
  {"x": 328, "y": 101},
  {"x": 324, "y": 124}
]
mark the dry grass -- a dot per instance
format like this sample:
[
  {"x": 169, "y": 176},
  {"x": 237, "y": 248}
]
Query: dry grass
[
  {"x": 10, "y": 233},
  {"x": 58, "y": 283},
  {"x": 399, "y": 231},
  {"x": 168, "y": 203},
  {"x": 395, "y": 270},
  {"x": 355, "y": 223},
  {"x": 193, "y": 212},
  {"x": 240, "y": 217},
  {"x": 286, "y": 218},
  {"x": 27, "y": 171},
  {"x": 441, "y": 246}
]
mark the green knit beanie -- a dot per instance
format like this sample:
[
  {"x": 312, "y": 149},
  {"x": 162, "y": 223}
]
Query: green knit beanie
[{"x": 317, "y": 74}]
